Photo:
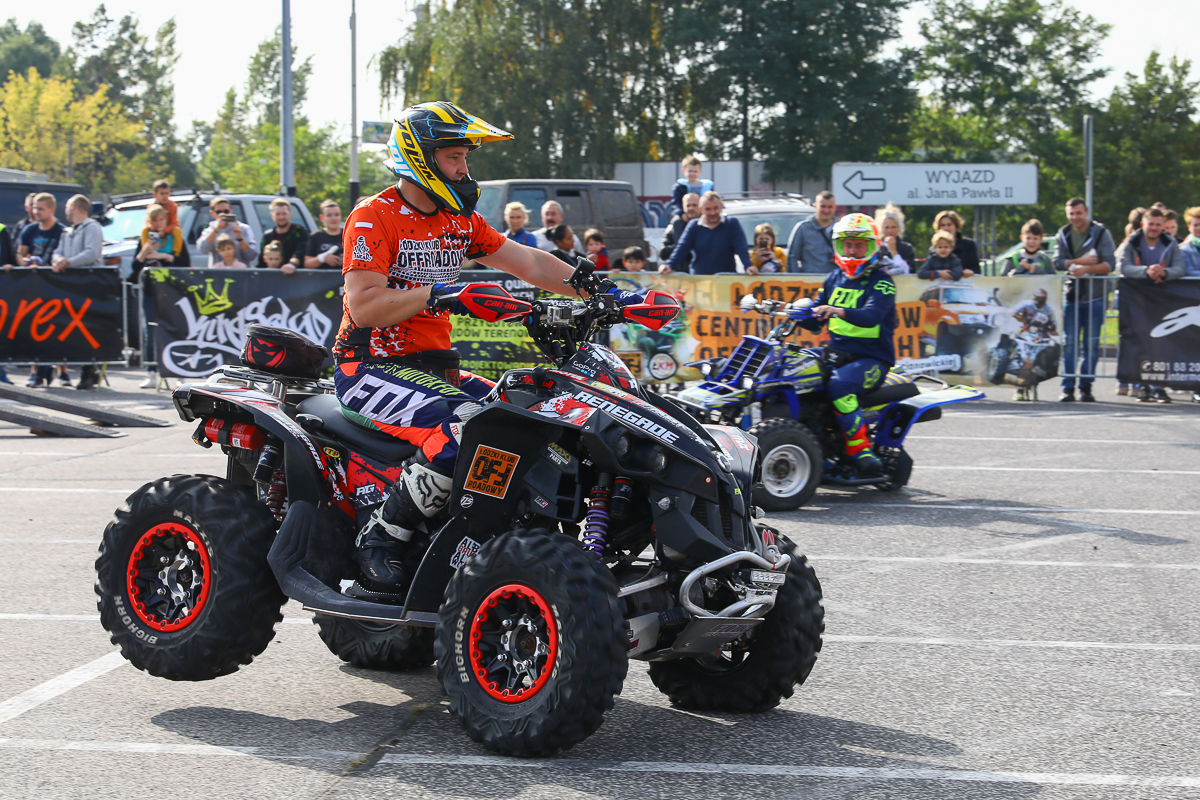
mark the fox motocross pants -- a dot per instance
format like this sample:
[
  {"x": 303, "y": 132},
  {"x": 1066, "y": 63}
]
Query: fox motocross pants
[
  {"x": 846, "y": 382},
  {"x": 411, "y": 405}
]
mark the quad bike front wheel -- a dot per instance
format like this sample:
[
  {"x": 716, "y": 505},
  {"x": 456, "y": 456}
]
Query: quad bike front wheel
[
  {"x": 755, "y": 673},
  {"x": 792, "y": 464},
  {"x": 532, "y": 645},
  {"x": 376, "y": 645},
  {"x": 182, "y": 578}
]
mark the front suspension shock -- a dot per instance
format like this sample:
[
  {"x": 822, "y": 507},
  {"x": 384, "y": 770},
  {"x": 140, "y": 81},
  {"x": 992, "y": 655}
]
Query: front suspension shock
[{"x": 595, "y": 526}]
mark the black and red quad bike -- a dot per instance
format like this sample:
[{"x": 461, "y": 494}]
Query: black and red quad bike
[{"x": 590, "y": 522}]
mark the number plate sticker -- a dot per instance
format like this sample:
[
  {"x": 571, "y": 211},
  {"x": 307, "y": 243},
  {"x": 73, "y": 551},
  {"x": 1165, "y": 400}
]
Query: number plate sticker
[
  {"x": 762, "y": 576},
  {"x": 491, "y": 471}
]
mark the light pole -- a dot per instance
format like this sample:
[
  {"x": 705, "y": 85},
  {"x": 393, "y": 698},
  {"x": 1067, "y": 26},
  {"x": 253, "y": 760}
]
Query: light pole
[
  {"x": 354, "y": 185},
  {"x": 287, "y": 168}
]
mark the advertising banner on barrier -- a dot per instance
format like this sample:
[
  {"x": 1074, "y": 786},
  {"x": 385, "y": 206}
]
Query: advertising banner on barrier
[
  {"x": 983, "y": 330},
  {"x": 68, "y": 317},
  {"x": 980, "y": 330},
  {"x": 202, "y": 316},
  {"x": 1160, "y": 333}
]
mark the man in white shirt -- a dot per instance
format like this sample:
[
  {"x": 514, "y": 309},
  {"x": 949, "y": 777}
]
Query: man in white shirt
[{"x": 552, "y": 216}]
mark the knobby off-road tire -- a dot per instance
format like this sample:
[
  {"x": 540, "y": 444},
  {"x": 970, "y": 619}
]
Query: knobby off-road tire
[
  {"x": 376, "y": 645},
  {"x": 220, "y": 601},
  {"x": 792, "y": 464},
  {"x": 577, "y": 644},
  {"x": 777, "y": 660},
  {"x": 898, "y": 479}
]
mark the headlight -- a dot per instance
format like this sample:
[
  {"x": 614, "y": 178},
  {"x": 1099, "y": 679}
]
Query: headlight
[
  {"x": 706, "y": 369},
  {"x": 623, "y": 445},
  {"x": 972, "y": 319},
  {"x": 658, "y": 460},
  {"x": 747, "y": 383}
]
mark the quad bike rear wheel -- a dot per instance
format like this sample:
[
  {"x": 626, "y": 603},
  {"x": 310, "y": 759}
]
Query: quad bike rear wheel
[
  {"x": 792, "y": 464},
  {"x": 182, "y": 578},
  {"x": 532, "y": 645},
  {"x": 376, "y": 645},
  {"x": 755, "y": 674}
]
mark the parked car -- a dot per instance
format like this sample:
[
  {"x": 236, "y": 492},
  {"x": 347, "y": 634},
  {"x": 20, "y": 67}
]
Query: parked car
[
  {"x": 783, "y": 212},
  {"x": 123, "y": 222},
  {"x": 14, "y": 192},
  {"x": 610, "y": 206}
]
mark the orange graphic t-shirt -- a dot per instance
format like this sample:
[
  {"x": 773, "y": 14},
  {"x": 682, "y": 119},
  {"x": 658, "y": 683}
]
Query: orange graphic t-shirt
[{"x": 387, "y": 235}]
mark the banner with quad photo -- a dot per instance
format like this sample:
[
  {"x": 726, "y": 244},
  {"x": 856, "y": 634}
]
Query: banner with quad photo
[
  {"x": 1160, "y": 333},
  {"x": 983, "y": 330},
  {"x": 68, "y": 317},
  {"x": 202, "y": 315}
]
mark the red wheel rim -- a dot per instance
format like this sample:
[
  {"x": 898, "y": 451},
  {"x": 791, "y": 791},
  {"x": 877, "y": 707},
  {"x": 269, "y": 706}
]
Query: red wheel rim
[
  {"x": 514, "y": 643},
  {"x": 168, "y": 577}
]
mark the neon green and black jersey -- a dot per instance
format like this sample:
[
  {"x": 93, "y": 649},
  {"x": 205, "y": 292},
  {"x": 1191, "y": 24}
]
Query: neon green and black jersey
[{"x": 870, "y": 302}]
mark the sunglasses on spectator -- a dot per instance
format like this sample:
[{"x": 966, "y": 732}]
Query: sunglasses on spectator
[{"x": 225, "y": 210}]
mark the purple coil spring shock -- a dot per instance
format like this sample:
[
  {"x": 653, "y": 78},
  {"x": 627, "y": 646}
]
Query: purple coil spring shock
[{"x": 595, "y": 526}]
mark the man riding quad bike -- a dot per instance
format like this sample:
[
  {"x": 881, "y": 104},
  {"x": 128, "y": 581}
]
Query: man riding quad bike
[{"x": 858, "y": 302}]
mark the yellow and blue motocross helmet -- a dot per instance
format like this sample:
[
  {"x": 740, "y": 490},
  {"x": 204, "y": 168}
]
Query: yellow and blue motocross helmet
[{"x": 428, "y": 127}]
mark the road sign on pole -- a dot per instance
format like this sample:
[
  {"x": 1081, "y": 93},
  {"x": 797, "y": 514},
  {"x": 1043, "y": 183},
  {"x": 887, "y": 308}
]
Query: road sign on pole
[{"x": 917, "y": 184}]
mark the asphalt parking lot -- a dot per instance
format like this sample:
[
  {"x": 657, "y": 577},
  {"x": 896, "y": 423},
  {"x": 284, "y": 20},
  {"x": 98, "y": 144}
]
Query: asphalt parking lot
[{"x": 1022, "y": 621}]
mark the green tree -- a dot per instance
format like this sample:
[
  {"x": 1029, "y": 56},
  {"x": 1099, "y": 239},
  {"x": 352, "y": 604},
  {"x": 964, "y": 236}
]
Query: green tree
[
  {"x": 137, "y": 69},
  {"x": 1006, "y": 81},
  {"x": 1148, "y": 142},
  {"x": 264, "y": 94},
  {"x": 581, "y": 84},
  {"x": 800, "y": 85},
  {"x": 20, "y": 50}
]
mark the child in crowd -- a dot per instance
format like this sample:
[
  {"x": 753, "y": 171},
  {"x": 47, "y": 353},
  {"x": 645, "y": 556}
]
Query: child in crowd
[
  {"x": 1031, "y": 259},
  {"x": 273, "y": 255},
  {"x": 162, "y": 196},
  {"x": 161, "y": 243},
  {"x": 597, "y": 253},
  {"x": 941, "y": 261},
  {"x": 564, "y": 240},
  {"x": 765, "y": 255},
  {"x": 227, "y": 252},
  {"x": 689, "y": 183},
  {"x": 634, "y": 260}
]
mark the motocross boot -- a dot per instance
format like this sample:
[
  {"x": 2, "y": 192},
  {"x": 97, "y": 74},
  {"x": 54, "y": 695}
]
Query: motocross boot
[
  {"x": 386, "y": 540},
  {"x": 858, "y": 438}
]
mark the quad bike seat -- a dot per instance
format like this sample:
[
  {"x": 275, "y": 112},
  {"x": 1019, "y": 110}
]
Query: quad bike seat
[
  {"x": 368, "y": 441},
  {"x": 888, "y": 394}
]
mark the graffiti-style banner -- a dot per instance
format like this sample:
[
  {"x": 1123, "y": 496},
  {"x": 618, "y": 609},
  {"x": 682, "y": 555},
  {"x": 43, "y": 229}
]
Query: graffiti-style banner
[
  {"x": 202, "y": 315},
  {"x": 69, "y": 317},
  {"x": 1160, "y": 333}
]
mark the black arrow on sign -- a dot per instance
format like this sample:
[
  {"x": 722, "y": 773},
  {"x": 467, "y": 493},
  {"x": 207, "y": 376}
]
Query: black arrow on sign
[{"x": 857, "y": 185}]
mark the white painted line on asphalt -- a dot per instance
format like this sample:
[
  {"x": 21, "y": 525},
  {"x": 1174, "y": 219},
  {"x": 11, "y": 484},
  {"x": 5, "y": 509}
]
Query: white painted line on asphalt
[
  {"x": 582, "y": 765},
  {"x": 1014, "y": 509},
  {"x": 96, "y": 618},
  {"x": 800, "y": 771},
  {"x": 940, "y": 640},
  {"x": 1069, "y": 469},
  {"x": 1000, "y": 561},
  {"x": 32, "y": 698},
  {"x": 6, "y": 540},
  {"x": 1041, "y": 439},
  {"x": 112, "y": 454}
]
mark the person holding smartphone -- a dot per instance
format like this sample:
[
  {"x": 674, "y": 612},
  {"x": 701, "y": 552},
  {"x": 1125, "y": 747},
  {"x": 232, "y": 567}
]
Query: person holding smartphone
[
  {"x": 766, "y": 255},
  {"x": 226, "y": 223}
]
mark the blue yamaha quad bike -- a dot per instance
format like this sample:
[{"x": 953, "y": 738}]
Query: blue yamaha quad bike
[{"x": 776, "y": 390}]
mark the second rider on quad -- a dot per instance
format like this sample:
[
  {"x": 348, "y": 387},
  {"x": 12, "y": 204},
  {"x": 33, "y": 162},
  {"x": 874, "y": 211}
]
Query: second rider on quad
[
  {"x": 858, "y": 301},
  {"x": 396, "y": 370}
]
